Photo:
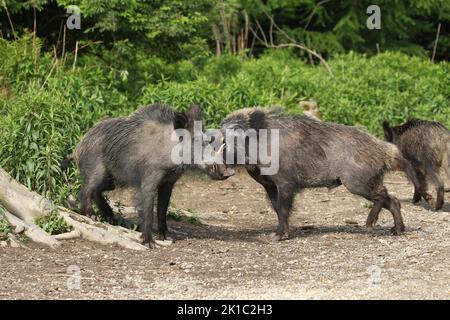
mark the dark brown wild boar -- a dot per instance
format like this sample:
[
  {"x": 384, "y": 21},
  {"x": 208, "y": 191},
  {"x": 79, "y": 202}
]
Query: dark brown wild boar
[
  {"x": 426, "y": 145},
  {"x": 319, "y": 154},
  {"x": 135, "y": 151}
]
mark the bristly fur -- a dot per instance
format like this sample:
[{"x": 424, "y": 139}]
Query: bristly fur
[
  {"x": 321, "y": 154},
  {"x": 156, "y": 112},
  {"x": 316, "y": 135},
  {"x": 415, "y": 123},
  {"x": 426, "y": 145}
]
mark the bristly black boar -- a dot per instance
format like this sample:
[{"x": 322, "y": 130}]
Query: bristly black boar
[
  {"x": 135, "y": 151},
  {"x": 426, "y": 145},
  {"x": 321, "y": 154}
]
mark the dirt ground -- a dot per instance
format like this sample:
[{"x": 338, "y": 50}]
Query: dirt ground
[{"x": 230, "y": 255}]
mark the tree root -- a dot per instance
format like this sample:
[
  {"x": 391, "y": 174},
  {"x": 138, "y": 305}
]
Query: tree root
[
  {"x": 100, "y": 232},
  {"x": 31, "y": 230}
]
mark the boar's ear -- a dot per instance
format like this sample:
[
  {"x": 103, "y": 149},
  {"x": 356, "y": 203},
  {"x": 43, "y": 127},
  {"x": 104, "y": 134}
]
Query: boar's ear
[
  {"x": 257, "y": 120},
  {"x": 180, "y": 121},
  {"x": 388, "y": 134},
  {"x": 194, "y": 113}
]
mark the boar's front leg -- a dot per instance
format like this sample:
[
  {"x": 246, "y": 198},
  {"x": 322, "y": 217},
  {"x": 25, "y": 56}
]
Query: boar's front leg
[
  {"x": 164, "y": 194},
  {"x": 148, "y": 192},
  {"x": 435, "y": 179},
  {"x": 148, "y": 219},
  {"x": 285, "y": 197},
  {"x": 281, "y": 199},
  {"x": 373, "y": 190}
]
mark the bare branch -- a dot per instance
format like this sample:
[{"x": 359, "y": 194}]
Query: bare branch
[
  {"x": 436, "y": 41},
  {"x": 262, "y": 31},
  {"x": 313, "y": 12},
  {"x": 270, "y": 44},
  {"x": 271, "y": 30}
]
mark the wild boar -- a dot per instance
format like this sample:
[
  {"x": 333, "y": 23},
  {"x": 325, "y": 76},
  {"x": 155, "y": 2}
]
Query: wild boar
[
  {"x": 136, "y": 151},
  {"x": 426, "y": 145},
  {"x": 317, "y": 154}
]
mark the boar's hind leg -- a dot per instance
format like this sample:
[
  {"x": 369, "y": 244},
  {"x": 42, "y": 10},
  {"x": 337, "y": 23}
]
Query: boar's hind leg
[
  {"x": 421, "y": 191},
  {"x": 435, "y": 179},
  {"x": 104, "y": 184},
  {"x": 375, "y": 212},
  {"x": 381, "y": 199},
  {"x": 393, "y": 205},
  {"x": 94, "y": 192},
  {"x": 164, "y": 194}
]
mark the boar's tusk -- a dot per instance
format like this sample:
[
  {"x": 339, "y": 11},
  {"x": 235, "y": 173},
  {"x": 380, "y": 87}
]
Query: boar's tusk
[{"x": 221, "y": 148}]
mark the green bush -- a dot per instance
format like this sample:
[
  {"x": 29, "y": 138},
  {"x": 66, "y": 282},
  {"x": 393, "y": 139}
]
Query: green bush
[
  {"x": 5, "y": 229},
  {"x": 53, "y": 224},
  {"x": 45, "y": 115},
  {"x": 364, "y": 91}
]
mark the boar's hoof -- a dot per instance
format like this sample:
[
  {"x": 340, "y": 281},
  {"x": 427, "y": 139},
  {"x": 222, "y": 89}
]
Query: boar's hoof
[
  {"x": 165, "y": 237},
  {"x": 438, "y": 206},
  {"x": 370, "y": 224},
  {"x": 396, "y": 231},
  {"x": 275, "y": 236},
  {"x": 429, "y": 199},
  {"x": 152, "y": 244},
  {"x": 416, "y": 198}
]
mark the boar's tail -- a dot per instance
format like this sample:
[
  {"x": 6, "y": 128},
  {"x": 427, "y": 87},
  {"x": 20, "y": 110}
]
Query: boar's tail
[{"x": 66, "y": 162}]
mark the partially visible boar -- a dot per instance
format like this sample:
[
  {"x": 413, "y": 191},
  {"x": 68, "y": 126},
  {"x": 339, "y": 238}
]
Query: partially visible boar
[
  {"x": 135, "y": 151},
  {"x": 426, "y": 145},
  {"x": 310, "y": 109},
  {"x": 320, "y": 154}
]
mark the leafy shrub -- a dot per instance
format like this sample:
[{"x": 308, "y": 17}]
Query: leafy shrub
[
  {"x": 364, "y": 91},
  {"x": 45, "y": 116},
  {"x": 53, "y": 224},
  {"x": 5, "y": 228}
]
